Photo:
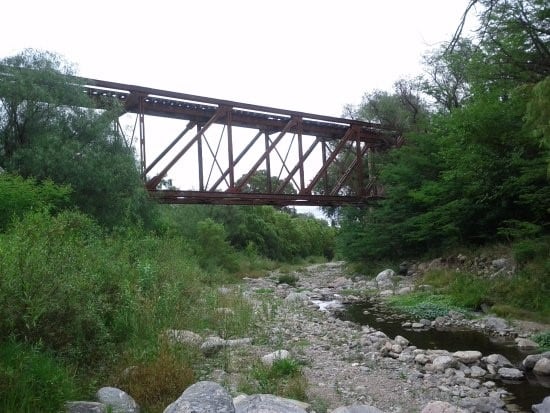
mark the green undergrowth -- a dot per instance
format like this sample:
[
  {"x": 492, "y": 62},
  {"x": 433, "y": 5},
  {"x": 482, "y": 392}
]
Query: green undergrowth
[
  {"x": 283, "y": 378},
  {"x": 522, "y": 295},
  {"x": 84, "y": 308},
  {"x": 424, "y": 305},
  {"x": 543, "y": 340}
]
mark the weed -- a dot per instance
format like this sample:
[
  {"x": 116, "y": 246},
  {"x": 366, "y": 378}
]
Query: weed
[
  {"x": 159, "y": 380},
  {"x": 283, "y": 378},
  {"x": 289, "y": 279},
  {"x": 543, "y": 339},
  {"x": 32, "y": 381}
]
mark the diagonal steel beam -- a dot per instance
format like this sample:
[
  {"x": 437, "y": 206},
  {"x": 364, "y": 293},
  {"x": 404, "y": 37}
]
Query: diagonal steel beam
[
  {"x": 344, "y": 177},
  {"x": 290, "y": 124},
  {"x": 352, "y": 130},
  {"x": 299, "y": 165},
  {"x": 188, "y": 127},
  {"x": 153, "y": 182},
  {"x": 231, "y": 168}
]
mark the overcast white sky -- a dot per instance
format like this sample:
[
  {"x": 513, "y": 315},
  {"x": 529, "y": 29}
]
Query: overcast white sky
[{"x": 308, "y": 55}]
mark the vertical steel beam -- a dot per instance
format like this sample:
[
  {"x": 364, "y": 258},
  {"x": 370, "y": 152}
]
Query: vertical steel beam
[
  {"x": 325, "y": 174},
  {"x": 301, "y": 159},
  {"x": 142, "y": 162},
  {"x": 347, "y": 136},
  {"x": 199, "y": 157},
  {"x": 359, "y": 161},
  {"x": 237, "y": 159},
  {"x": 230, "y": 149},
  {"x": 290, "y": 124},
  {"x": 296, "y": 167},
  {"x": 268, "y": 164}
]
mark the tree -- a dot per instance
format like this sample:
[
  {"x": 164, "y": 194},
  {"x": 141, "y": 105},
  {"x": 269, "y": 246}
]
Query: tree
[
  {"x": 260, "y": 183},
  {"x": 49, "y": 129}
]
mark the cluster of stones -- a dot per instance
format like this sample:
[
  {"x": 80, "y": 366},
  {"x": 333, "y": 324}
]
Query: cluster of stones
[{"x": 358, "y": 367}]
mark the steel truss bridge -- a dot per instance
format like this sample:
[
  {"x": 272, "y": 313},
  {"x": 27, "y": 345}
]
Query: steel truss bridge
[{"x": 221, "y": 149}]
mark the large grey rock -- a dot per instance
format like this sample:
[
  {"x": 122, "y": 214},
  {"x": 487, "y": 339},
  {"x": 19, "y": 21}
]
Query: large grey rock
[
  {"x": 295, "y": 297},
  {"x": 510, "y": 373},
  {"x": 440, "y": 363},
  {"x": 213, "y": 345},
  {"x": 268, "y": 359},
  {"x": 385, "y": 276},
  {"x": 266, "y": 403},
  {"x": 529, "y": 362},
  {"x": 525, "y": 343},
  {"x": 203, "y": 397},
  {"x": 85, "y": 407},
  {"x": 495, "y": 323},
  {"x": 118, "y": 400},
  {"x": 482, "y": 404},
  {"x": 357, "y": 408},
  {"x": 442, "y": 407},
  {"x": 183, "y": 337},
  {"x": 542, "y": 367},
  {"x": 467, "y": 357},
  {"x": 497, "y": 360},
  {"x": 402, "y": 341},
  {"x": 543, "y": 407}
]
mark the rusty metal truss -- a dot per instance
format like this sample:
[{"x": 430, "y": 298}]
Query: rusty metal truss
[
  {"x": 230, "y": 144},
  {"x": 225, "y": 152}
]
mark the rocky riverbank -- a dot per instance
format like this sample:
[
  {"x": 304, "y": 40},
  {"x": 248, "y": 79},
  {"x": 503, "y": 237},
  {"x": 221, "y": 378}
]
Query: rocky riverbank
[{"x": 346, "y": 364}]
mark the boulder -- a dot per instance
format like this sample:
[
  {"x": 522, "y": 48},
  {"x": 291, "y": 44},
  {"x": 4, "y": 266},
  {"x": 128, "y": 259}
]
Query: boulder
[
  {"x": 441, "y": 363},
  {"x": 117, "y": 400},
  {"x": 529, "y": 362},
  {"x": 496, "y": 324},
  {"x": 497, "y": 360},
  {"x": 525, "y": 344},
  {"x": 510, "y": 373},
  {"x": 482, "y": 404},
  {"x": 357, "y": 408},
  {"x": 442, "y": 407},
  {"x": 203, "y": 397},
  {"x": 268, "y": 359},
  {"x": 477, "y": 372},
  {"x": 85, "y": 407},
  {"x": 542, "y": 367},
  {"x": 213, "y": 345},
  {"x": 543, "y": 407},
  {"x": 294, "y": 297},
  {"x": 385, "y": 276},
  {"x": 238, "y": 342},
  {"x": 183, "y": 337},
  {"x": 267, "y": 403},
  {"x": 402, "y": 341},
  {"x": 467, "y": 357}
]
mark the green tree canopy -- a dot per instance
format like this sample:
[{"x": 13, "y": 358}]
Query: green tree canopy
[{"x": 49, "y": 129}]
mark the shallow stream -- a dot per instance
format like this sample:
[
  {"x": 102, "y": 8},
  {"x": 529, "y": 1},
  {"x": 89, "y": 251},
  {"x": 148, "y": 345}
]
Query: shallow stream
[{"x": 526, "y": 392}]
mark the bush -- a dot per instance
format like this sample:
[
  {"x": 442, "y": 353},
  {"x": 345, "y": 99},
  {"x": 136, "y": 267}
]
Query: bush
[
  {"x": 283, "y": 378},
  {"x": 19, "y": 196},
  {"x": 289, "y": 279},
  {"x": 62, "y": 287},
  {"x": 543, "y": 339},
  {"x": 31, "y": 380},
  {"x": 158, "y": 381}
]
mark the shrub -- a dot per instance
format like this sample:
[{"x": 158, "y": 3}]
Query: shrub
[
  {"x": 60, "y": 286},
  {"x": 31, "y": 380},
  {"x": 158, "y": 381},
  {"x": 283, "y": 378},
  {"x": 289, "y": 279},
  {"x": 543, "y": 339}
]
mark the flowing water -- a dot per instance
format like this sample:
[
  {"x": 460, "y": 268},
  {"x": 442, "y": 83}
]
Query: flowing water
[{"x": 526, "y": 393}]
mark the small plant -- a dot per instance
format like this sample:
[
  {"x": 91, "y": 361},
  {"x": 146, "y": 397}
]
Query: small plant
[
  {"x": 542, "y": 339},
  {"x": 289, "y": 279},
  {"x": 158, "y": 381},
  {"x": 283, "y": 378},
  {"x": 32, "y": 381}
]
